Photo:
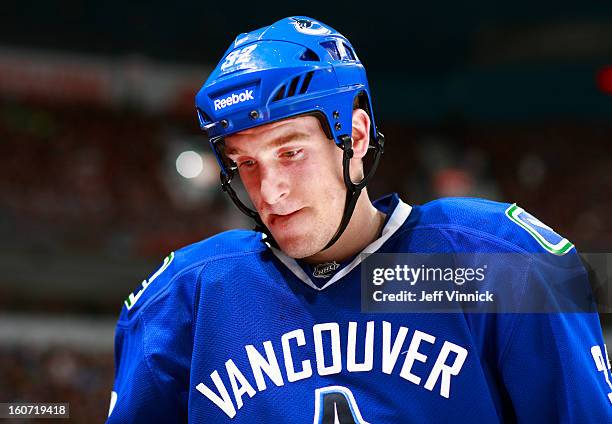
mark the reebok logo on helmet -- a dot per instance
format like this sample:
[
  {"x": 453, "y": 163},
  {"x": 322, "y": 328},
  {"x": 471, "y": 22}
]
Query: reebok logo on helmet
[{"x": 233, "y": 99}]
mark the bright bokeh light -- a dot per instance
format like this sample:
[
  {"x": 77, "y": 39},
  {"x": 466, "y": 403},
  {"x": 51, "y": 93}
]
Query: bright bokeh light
[{"x": 189, "y": 164}]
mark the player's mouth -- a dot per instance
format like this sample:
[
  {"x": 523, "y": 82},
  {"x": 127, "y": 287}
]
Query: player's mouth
[{"x": 276, "y": 220}]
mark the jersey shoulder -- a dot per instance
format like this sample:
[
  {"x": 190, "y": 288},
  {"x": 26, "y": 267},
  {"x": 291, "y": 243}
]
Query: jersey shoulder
[
  {"x": 474, "y": 220},
  {"x": 177, "y": 276}
]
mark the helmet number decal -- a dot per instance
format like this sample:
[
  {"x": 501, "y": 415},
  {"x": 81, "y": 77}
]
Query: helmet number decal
[{"x": 238, "y": 56}]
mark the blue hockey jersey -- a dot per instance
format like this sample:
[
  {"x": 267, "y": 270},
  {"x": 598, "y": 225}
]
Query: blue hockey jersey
[{"x": 230, "y": 330}]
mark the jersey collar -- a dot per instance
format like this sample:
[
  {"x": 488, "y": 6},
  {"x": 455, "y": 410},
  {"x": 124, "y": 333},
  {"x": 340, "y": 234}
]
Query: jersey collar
[{"x": 395, "y": 219}]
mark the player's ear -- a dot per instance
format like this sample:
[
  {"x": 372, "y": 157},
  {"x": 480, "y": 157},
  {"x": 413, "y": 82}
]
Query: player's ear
[{"x": 361, "y": 133}]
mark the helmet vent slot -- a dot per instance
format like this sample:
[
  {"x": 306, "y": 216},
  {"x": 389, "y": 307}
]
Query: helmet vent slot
[
  {"x": 332, "y": 49},
  {"x": 293, "y": 86},
  {"x": 280, "y": 94},
  {"x": 309, "y": 56},
  {"x": 350, "y": 54},
  {"x": 306, "y": 82},
  {"x": 298, "y": 85}
]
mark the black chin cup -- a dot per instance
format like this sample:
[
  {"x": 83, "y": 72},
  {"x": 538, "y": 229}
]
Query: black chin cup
[{"x": 353, "y": 190}]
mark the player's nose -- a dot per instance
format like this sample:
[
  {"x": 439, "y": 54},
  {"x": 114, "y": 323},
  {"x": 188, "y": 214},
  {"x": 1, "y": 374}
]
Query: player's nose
[{"x": 273, "y": 185}]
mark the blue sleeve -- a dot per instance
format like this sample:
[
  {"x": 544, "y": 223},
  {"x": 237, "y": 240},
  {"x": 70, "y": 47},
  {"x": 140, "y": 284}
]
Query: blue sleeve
[
  {"x": 555, "y": 366},
  {"x": 153, "y": 348},
  {"x": 138, "y": 395}
]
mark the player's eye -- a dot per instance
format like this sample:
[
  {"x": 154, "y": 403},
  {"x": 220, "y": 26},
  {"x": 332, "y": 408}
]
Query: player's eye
[
  {"x": 246, "y": 163},
  {"x": 291, "y": 153}
]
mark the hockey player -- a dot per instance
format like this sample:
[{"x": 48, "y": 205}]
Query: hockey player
[{"x": 267, "y": 326}]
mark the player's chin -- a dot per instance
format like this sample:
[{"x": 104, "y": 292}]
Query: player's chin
[
  {"x": 297, "y": 250},
  {"x": 296, "y": 244},
  {"x": 296, "y": 235}
]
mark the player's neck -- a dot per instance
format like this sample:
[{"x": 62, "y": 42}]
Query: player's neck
[{"x": 365, "y": 226}]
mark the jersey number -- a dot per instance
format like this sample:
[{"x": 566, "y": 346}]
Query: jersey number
[
  {"x": 133, "y": 298},
  {"x": 336, "y": 405},
  {"x": 603, "y": 365}
]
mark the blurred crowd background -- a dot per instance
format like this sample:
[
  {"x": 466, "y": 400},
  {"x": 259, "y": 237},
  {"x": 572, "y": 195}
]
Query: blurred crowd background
[{"x": 103, "y": 169}]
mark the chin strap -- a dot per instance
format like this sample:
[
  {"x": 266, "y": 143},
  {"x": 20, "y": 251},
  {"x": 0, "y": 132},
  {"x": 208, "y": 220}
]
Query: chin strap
[
  {"x": 353, "y": 190},
  {"x": 226, "y": 186}
]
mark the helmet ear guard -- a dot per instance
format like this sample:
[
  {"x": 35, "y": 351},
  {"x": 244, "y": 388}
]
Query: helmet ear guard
[{"x": 295, "y": 67}]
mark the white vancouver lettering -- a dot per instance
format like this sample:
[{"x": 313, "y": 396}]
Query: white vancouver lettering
[{"x": 329, "y": 353}]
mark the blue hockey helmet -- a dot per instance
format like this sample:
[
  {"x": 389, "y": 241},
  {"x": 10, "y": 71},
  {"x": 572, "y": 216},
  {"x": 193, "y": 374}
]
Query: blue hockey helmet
[{"x": 296, "y": 66}]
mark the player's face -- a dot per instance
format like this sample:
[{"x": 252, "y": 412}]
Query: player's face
[{"x": 293, "y": 175}]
